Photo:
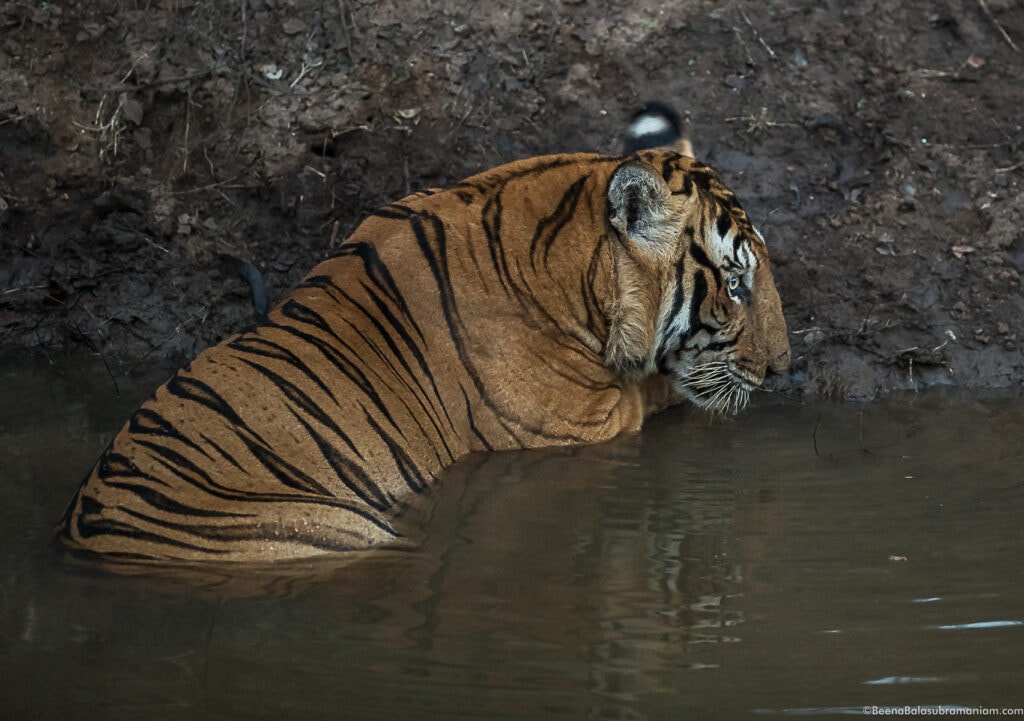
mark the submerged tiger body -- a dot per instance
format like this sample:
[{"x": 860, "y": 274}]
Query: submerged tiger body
[{"x": 552, "y": 301}]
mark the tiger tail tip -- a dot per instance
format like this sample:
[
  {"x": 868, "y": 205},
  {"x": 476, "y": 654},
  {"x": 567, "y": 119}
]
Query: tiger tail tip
[{"x": 657, "y": 125}]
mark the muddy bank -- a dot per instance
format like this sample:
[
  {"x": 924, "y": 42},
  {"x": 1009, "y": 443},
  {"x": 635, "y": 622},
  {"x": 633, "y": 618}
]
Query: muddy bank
[{"x": 878, "y": 146}]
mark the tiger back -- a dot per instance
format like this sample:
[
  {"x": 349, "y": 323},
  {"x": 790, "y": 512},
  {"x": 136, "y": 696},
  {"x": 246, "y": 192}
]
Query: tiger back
[{"x": 552, "y": 301}]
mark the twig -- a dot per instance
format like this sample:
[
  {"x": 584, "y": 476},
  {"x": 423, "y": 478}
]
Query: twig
[
  {"x": 346, "y": 35},
  {"x": 759, "y": 123},
  {"x": 867, "y": 320},
  {"x": 461, "y": 121},
  {"x": 757, "y": 35},
  {"x": 21, "y": 289},
  {"x": 814, "y": 437},
  {"x": 334, "y": 235},
  {"x": 245, "y": 32},
  {"x": 103, "y": 357},
  {"x": 746, "y": 49},
  {"x": 109, "y": 130},
  {"x": 860, "y": 436},
  {"x": 186, "y": 78},
  {"x": 134, "y": 65},
  {"x": 305, "y": 71},
  {"x": 188, "y": 127},
  {"x": 226, "y": 184},
  {"x": 992, "y": 18}
]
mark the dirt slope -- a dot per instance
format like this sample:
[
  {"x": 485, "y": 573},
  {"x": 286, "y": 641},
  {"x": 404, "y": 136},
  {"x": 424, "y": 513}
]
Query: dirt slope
[{"x": 877, "y": 144}]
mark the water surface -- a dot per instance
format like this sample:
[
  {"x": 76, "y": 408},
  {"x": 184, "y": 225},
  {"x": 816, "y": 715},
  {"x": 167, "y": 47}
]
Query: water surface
[{"x": 801, "y": 560}]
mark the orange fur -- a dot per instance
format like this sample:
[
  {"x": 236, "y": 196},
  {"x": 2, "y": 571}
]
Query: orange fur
[{"x": 527, "y": 306}]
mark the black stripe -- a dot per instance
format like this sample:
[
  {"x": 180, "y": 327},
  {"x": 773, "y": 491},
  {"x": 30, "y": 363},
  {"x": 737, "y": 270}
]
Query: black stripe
[
  {"x": 342, "y": 364},
  {"x": 737, "y": 241},
  {"x": 286, "y": 473},
  {"x": 350, "y": 370},
  {"x": 408, "y": 379},
  {"x": 490, "y": 219},
  {"x": 364, "y": 384},
  {"x": 263, "y": 348},
  {"x": 115, "y": 464},
  {"x": 436, "y": 258},
  {"x": 702, "y": 258},
  {"x": 701, "y": 177},
  {"x": 302, "y": 313},
  {"x": 283, "y": 471},
  {"x": 472, "y": 423},
  {"x": 352, "y": 475},
  {"x": 376, "y": 270},
  {"x": 551, "y": 226},
  {"x": 223, "y": 453},
  {"x": 249, "y": 532},
  {"x": 723, "y": 224},
  {"x": 721, "y": 344},
  {"x": 99, "y": 526},
  {"x": 161, "y": 502},
  {"x": 395, "y": 211},
  {"x": 178, "y": 464},
  {"x": 670, "y": 165},
  {"x": 301, "y": 399},
  {"x": 192, "y": 389},
  {"x": 677, "y": 305},
  {"x": 412, "y": 476},
  {"x": 700, "y": 292}
]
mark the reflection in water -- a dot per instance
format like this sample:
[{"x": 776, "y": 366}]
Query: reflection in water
[{"x": 799, "y": 559}]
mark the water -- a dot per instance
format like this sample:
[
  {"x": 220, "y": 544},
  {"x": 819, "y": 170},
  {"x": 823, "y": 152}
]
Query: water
[{"x": 800, "y": 560}]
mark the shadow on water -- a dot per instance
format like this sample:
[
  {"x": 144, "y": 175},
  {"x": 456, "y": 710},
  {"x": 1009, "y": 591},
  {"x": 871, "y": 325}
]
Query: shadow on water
[{"x": 807, "y": 560}]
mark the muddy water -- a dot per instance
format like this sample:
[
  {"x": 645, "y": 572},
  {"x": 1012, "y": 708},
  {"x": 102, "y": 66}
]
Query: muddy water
[{"x": 802, "y": 559}]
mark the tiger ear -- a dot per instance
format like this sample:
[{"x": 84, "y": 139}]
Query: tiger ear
[{"x": 638, "y": 204}]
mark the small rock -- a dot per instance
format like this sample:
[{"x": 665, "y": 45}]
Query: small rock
[
  {"x": 293, "y": 26},
  {"x": 132, "y": 110},
  {"x": 814, "y": 336}
]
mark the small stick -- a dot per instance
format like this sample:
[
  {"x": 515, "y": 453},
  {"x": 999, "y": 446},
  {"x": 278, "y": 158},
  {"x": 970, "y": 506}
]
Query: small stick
[
  {"x": 103, "y": 357},
  {"x": 344, "y": 30},
  {"x": 334, "y": 235},
  {"x": 860, "y": 437},
  {"x": 757, "y": 35},
  {"x": 992, "y": 18}
]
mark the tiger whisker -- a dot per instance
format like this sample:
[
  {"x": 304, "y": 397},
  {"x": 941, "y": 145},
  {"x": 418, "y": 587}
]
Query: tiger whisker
[{"x": 717, "y": 388}]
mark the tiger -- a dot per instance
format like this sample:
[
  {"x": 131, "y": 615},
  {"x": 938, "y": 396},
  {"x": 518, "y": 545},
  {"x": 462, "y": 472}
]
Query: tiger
[{"x": 558, "y": 300}]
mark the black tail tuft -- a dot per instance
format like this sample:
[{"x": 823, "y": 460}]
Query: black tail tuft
[
  {"x": 655, "y": 125},
  {"x": 252, "y": 275}
]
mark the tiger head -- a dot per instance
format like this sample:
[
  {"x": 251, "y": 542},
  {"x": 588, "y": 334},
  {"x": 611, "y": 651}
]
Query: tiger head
[{"x": 696, "y": 300}]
